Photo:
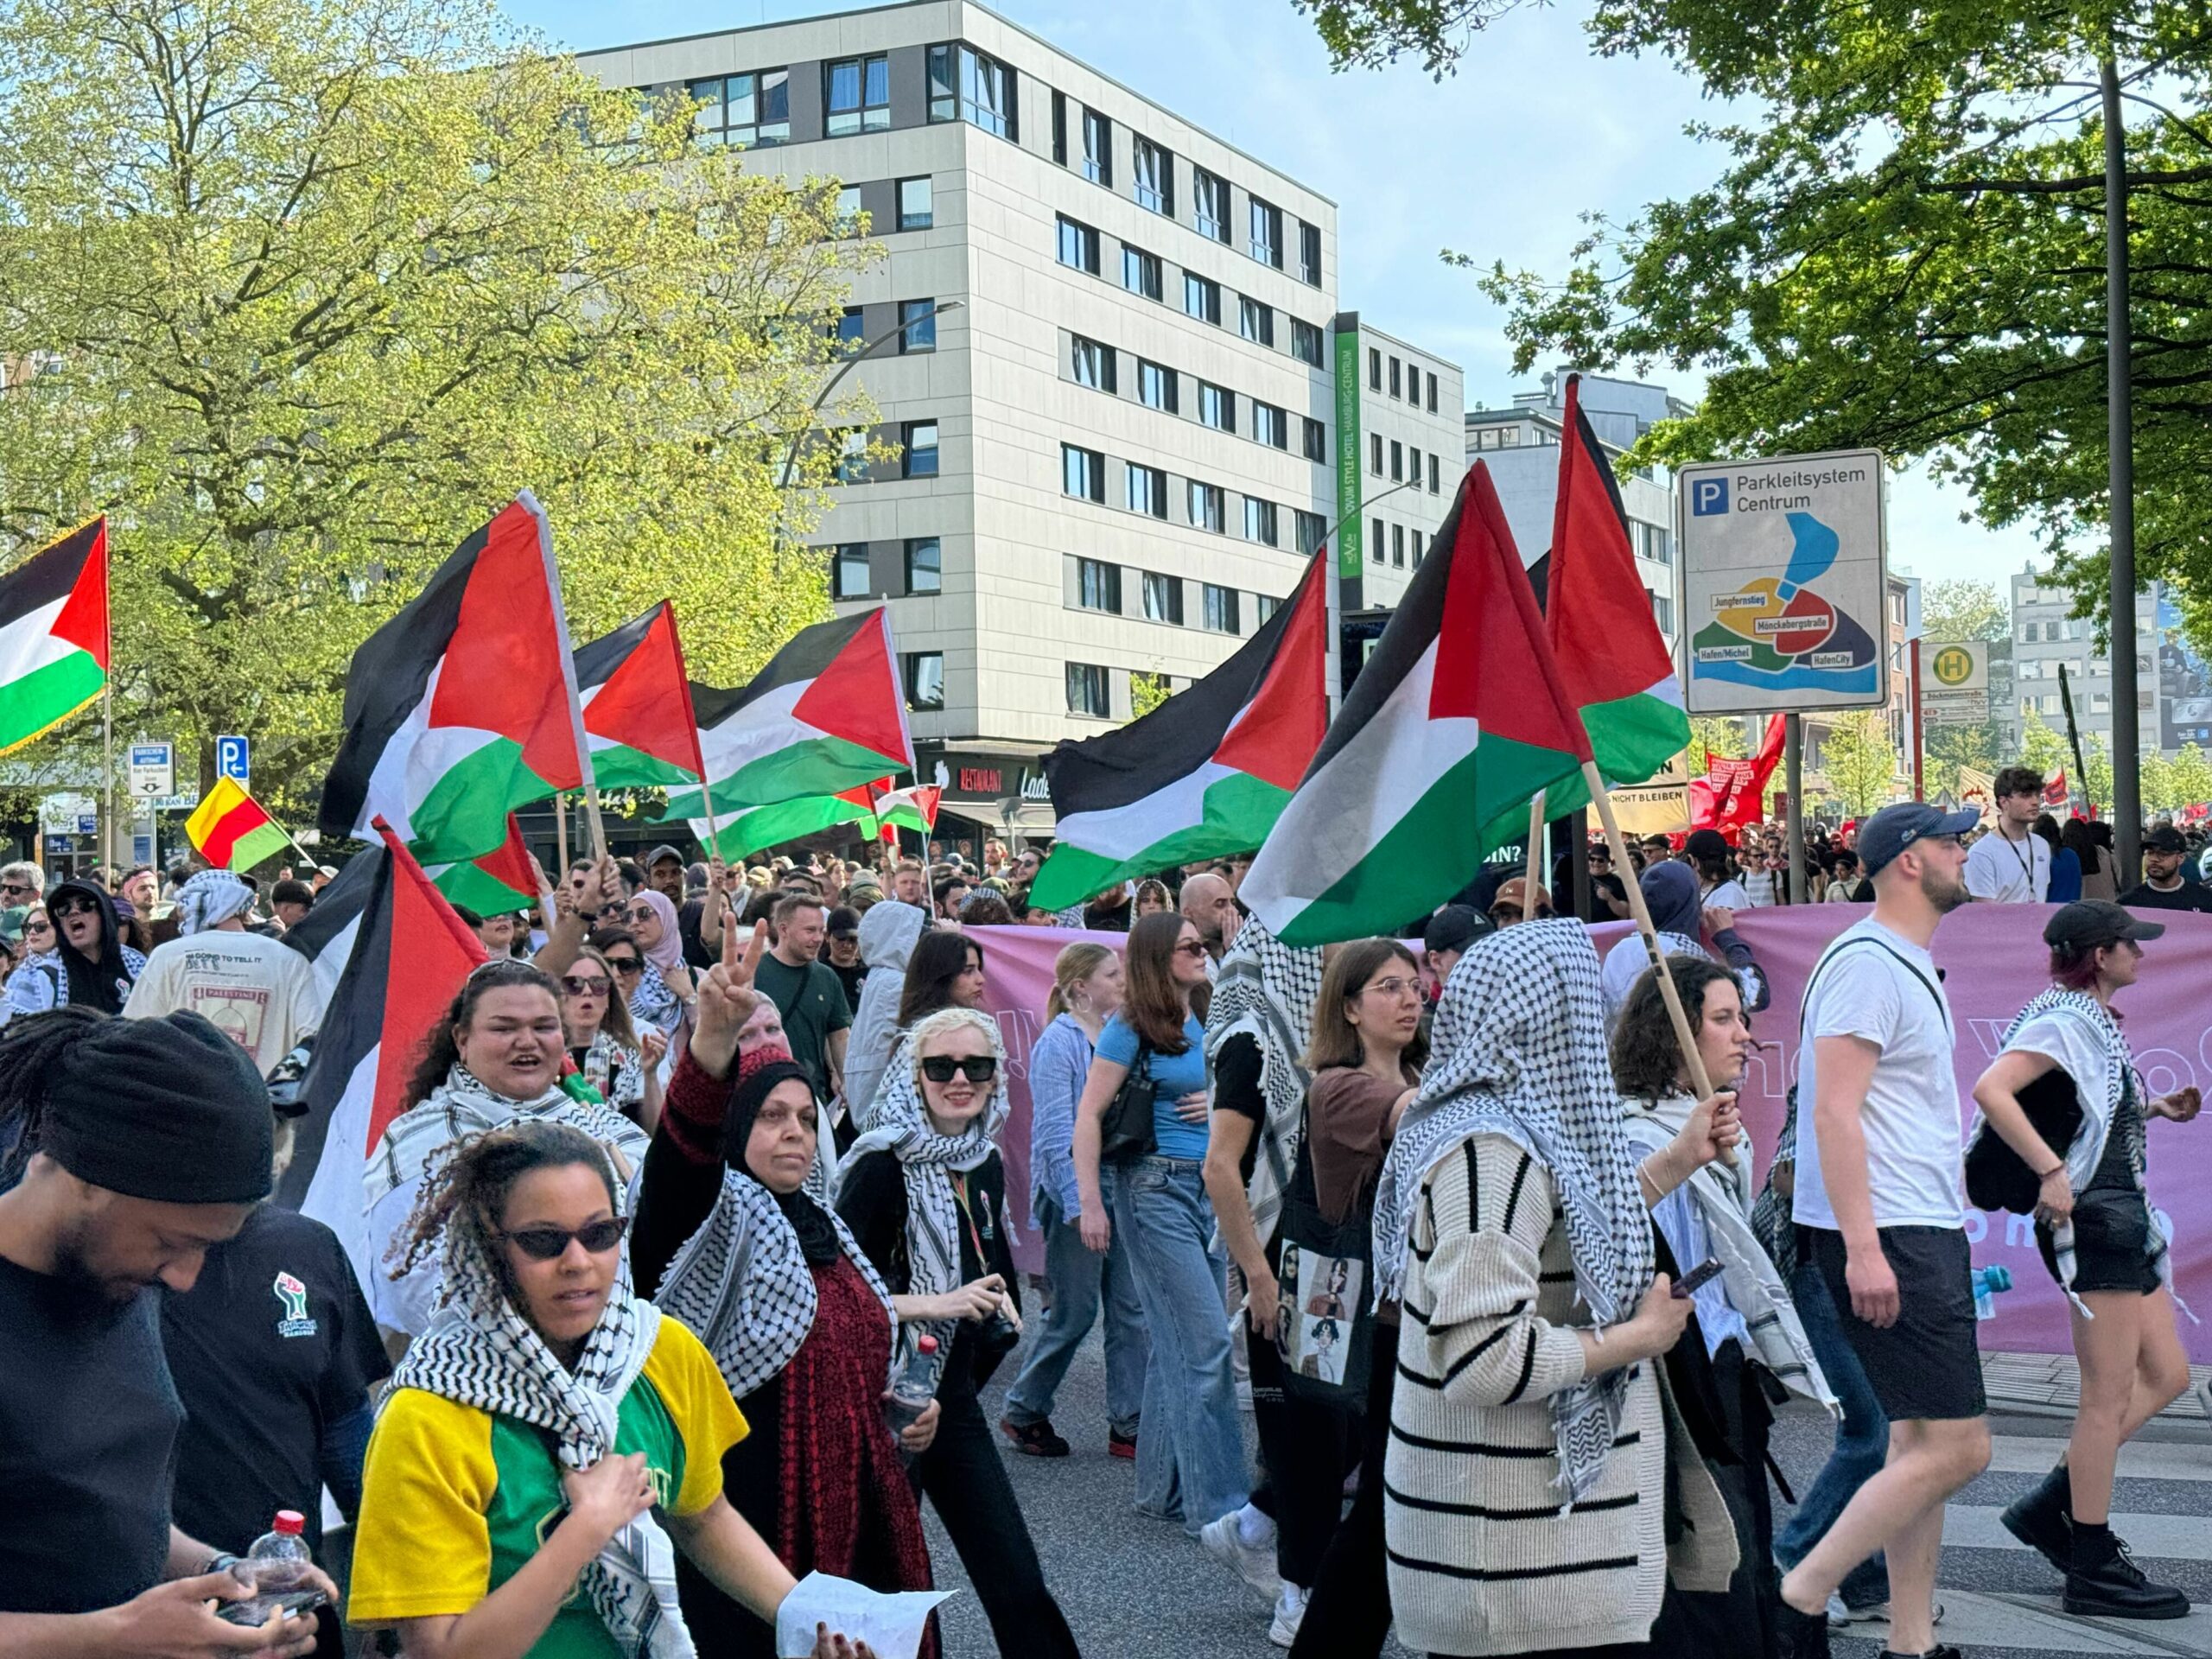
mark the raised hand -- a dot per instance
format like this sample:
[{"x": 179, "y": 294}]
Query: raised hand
[{"x": 726, "y": 999}]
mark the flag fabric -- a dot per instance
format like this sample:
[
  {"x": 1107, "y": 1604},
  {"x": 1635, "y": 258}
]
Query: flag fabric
[
  {"x": 739, "y": 834},
  {"x": 827, "y": 713},
  {"x": 912, "y": 808},
  {"x": 462, "y": 706},
  {"x": 1457, "y": 719},
  {"x": 231, "y": 830},
  {"x": 53, "y": 643},
  {"x": 325, "y": 936},
  {"x": 1732, "y": 793},
  {"x": 502, "y": 881},
  {"x": 1206, "y": 774},
  {"x": 637, "y": 704},
  {"x": 411, "y": 954}
]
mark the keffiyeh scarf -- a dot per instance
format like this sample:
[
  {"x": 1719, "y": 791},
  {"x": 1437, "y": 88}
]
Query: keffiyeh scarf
[
  {"x": 462, "y": 1105},
  {"x": 1266, "y": 991},
  {"x": 480, "y": 1352},
  {"x": 210, "y": 898},
  {"x": 652, "y": 1003},
  {"x": 1519, "y": 1050}
]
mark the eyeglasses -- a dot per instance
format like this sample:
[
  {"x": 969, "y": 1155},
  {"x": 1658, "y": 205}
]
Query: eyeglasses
[
  {"x": 625, "y": 965},
  {"x": 68, "y": 907},
  {"x": 38, "y": 925},
  {"x": 644, "y": 914},
  {"x": 1190, "y": 948},
  {"x": 976, "y": 1068},
  {"x": 1396, "y": 985},
  {"x": 586, "y": 984},
  {"x": 551, "y": 1244}
]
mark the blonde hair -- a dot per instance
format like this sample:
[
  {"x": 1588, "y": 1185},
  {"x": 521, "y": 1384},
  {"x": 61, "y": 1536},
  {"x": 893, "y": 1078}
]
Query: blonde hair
[
  {"x": 1070, "y": 969},
  {"x": 944, "y": 1021}
]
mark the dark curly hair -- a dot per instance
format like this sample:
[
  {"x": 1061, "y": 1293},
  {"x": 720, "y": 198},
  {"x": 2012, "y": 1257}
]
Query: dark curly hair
[
  {"x": 469, "y": 1185},
  {"x": 1647, "y": 1061},
  {"x": 441, "y": 1048}
]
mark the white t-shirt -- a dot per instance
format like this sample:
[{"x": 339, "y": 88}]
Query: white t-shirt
[
  {"x": 1915, "y": 1149},
  {"x": 258, "y": 991},
  {"x": 1729, "y": 894},
  {"x": 2009, "y": 872}
]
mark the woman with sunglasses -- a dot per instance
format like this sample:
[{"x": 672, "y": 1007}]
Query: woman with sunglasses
[
  {"x": 86, "y": 964},
  {"x": 1191, "y": 1457},
  {"x": 552, "y": 1442},
  {"x": 664, "y": 994},
  {"x": 924, "y": 1193},
  {"x": 612, "y": 1056}
]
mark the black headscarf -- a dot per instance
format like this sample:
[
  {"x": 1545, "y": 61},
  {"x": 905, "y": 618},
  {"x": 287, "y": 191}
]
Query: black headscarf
[
  {"x": 817, "y": 1239},
  {"x": 102, "y": 984}
]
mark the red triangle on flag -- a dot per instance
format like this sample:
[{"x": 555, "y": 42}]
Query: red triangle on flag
[
  {"x": 1597, "y": 615},
  {"x": 432, "y": 953},
  {"x": 645, "y": 704},
  {"x": 509, "y": 862},
  {"x": 83, "y": 619},
  {"x": 857, "y": 695},
  {"x": 1275, "y": 736}
]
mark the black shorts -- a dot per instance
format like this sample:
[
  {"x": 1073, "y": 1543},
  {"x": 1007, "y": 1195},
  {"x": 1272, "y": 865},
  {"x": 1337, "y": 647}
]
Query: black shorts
[
  {"x": 1928, "y": 1365},
  {"x": 2112, "y": 1242}
]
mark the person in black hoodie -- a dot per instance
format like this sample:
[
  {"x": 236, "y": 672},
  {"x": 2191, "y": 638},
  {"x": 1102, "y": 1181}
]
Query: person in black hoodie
[{"x": 89, "y": 966}]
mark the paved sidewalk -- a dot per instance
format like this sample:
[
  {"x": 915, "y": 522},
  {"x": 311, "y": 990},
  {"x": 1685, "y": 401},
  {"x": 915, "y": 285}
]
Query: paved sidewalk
[{"x": 2050, "y": 1385}]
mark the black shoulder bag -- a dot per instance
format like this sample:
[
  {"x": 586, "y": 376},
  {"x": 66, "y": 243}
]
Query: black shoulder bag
[{"x": 1125, "y": 1131}]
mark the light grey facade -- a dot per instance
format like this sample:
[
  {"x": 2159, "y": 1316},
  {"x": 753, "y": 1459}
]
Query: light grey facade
[
  {"x": 2045, "y": 635},
  {"x": 1403, "y": 455}
]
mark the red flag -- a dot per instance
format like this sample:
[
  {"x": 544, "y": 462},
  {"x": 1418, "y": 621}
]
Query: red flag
[{"x": 436, "y": 953}]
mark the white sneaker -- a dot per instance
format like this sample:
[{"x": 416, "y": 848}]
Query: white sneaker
[
  {"x": 1290, "y": 1612},
  {"x": 1253, "y": 1563}
]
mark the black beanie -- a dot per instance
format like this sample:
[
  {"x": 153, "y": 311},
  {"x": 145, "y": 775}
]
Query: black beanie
[{"x": 169, "y": 1110}]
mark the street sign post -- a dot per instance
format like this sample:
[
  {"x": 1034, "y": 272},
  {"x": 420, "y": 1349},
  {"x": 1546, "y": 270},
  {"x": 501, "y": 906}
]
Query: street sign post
[
  {"x": 232, "y": 760},
  {"x": 1955, "y": 691},
  {"x": 153, "y": 771}
]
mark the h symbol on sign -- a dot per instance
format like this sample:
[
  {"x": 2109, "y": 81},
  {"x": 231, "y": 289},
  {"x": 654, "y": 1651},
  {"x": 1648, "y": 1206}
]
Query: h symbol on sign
[{"x": 1709, "y": 496}]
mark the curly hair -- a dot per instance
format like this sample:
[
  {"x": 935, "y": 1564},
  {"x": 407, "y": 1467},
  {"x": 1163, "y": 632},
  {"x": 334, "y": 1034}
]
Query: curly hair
[
  {"x": 470, "y": 1183},
  {"x": 1647, "y": 1061},
  {"x": 441, "y": 1047}
]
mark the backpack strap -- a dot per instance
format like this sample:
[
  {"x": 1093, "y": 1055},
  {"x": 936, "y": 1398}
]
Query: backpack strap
[{"x": 1805, "y": 1002}]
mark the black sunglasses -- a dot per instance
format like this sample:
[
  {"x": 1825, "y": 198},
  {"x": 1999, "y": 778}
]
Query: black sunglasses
[
  {"x": 625, "y": 964},
  {"x": 16, "y": 886},
  {"x": 586, "y": 984},
  {"x": 551, "y": 1244},
  {"x": 977, "y": 1068},
  {"x": 68, "y": 907}
]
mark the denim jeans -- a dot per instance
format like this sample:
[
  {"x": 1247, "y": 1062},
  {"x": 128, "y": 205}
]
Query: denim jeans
[
  {"x": 1862, "y": 1445},
  {"x": 1190, "y": 1456},
  {"x": 1082, "y": 1279}
]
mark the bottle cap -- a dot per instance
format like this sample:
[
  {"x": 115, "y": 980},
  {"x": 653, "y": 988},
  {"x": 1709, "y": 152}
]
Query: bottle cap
[
  {"x": 925, "y": 1344},
  {"x": 291, "y": 1522}
]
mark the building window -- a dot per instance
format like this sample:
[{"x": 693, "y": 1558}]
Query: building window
[
  {"x": 1398, "y": 546},
  {"x": 1413, "y": 383},
  {"x": 918, "y": 325},
  {"x": 852, "y": 462},
  {"x": 1209, "y": 507},
  {"x": 1393, "y": 377},
  {"x": 1306, "y": 342},
  {"x": 1140, "y": 272},
  {"x": 1079, "y": 246},
  {"x": 1083, "y": 473},
  {"x": 1266, "y": 233},
  {"x": 744, "y": 111},
  {"x": 1317, "y": 440},
  {"x": 1413, "y": 464},
  {"x": 2099, "y": 703},
  {"x": 1414, "y": 536},
  {"x": 1431, "y": 391},
  {"x": 966, "y": 86},
  {"x": 1154, "y": 183},
  {"x": 1098, "y": 585},
  {"x": 1087, "y": 691},
  {"x": 1210, "y": 211},
  {"x": 1259, "y": 521},
  {"x": 1220, "y": 615},
  {"x": 852, "y": 330},
  {"x": 1217, "y": 407},
  {"x": 914, "y": 214},
  {"x": 1202, "y": 297},
  {"x": 1309, "y": 253},
  {"x": 1432, "y": 490},
  {"x": 924, "y": 565},
  {"x": 1093, "y": 363},
  {"x": 1163, "y": 598},
  {"x": 921, "y": 449},
  {"x": 1375, "y": 454},
  {"x": 925, "y": 674},
  {"x": 1155, "y": 386},
  {"x": 857, "y": 96},
  {"x": 848, "y": 577},
  {"x": 1060, "y": 129},
  {"x": 1147, "y": 489},
  {"x": 1397, "y": 460},
  {"x": 1306, "y": 529},
  {"x": 1662, "y": 613},
  {"x": 1097, "y": 149},
  {"x": 1270, "y": 425},
  {"x": 1373, "y": 370},
  {"x": 1255, "y": 320},
  {"x": 1375, "y": 539},
  {"x": 848, "y": 219},
  {"x": 1264, "y": 606}
]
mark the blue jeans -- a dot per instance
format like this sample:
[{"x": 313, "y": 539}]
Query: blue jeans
[
  {"x": 1081, "y": 1279},
  {"x": 1191, "y": 1457},
  {"x": 1862, "y": 1445}
]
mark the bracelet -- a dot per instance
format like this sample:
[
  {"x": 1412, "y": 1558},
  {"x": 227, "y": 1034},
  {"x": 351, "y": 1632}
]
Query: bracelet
[
  {"x": 222, "y": 1561},
  {"x": 588, "y": 915}
]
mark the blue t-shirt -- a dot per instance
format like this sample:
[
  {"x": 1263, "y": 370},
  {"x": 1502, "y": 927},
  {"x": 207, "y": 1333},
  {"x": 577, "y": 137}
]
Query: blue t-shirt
[{"x": 1174, "y": 1076}]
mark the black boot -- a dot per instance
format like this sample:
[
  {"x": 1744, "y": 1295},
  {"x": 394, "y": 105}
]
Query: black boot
[
  {"x": 2040, "y": 1520},
  {"x": 2106, "y": 1584}
]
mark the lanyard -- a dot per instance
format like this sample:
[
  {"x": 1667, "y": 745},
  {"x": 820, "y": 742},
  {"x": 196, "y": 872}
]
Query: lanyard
[
  {"x": 2027, "y": 861},
  {"x": 959, "y": 1179}
]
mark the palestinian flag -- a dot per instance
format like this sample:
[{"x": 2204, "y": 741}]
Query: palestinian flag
[
  {"x": 739, "y": 834},
  {"x": 325, "y": 935},
  {"x": 1457, "y": 720},
  {"x": 912, "y": 808},
  {"x": 1611, "y": 656},
  {"x": 637, "y": 704},
  {"x": 1206, "y": 774},
  {"x": 462, "y": 706},
  {"x": 231, "y": 830},
  {"x": 827, "y": 713},
  {"x": 501, "y": 882},
  {"x": 53, "y": 651},
  {"x": 410, "y": 956}
]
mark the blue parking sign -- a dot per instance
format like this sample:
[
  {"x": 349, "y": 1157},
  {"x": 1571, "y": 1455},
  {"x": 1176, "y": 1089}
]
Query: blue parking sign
[
  {"x": 1709, "y": 496},
  {"x": 232, "y": 760}
]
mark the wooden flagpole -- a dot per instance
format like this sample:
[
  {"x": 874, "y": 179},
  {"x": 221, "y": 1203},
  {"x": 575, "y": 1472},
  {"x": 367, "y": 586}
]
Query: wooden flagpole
[
  {"x": 1535, "y": 856},
  {"x": 561, "y": 832}
]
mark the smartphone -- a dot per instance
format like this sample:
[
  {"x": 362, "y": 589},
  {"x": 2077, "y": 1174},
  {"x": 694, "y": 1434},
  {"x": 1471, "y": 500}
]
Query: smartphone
[
  {"x": 1704, "y": 1273},
  {"x": 255, "y": 1610}
]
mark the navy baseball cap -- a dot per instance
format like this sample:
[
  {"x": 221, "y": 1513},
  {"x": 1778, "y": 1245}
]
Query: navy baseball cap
[{"x": 1893, "y": 829}]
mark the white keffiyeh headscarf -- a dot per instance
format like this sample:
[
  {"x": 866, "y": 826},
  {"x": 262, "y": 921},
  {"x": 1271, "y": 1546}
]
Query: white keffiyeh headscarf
[
  {"x": 1519, "y": 1050},
  {"x": 210, "y": 898},
  {"x": 1266, "y": 992},
  {"x": 479, "y": 1352},
  {"x": 463, "y": 1105}
]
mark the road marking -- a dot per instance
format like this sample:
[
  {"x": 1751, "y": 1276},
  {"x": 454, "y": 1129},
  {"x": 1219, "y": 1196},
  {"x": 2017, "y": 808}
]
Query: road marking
[
  {"x": 1973, "y": 1620},
  {"x": 2023, "y": 1454},
  {"x": 2175, "y": 1537}
]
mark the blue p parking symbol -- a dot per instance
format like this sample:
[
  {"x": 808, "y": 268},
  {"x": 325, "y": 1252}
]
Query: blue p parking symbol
[{"x": 1709, "y": 496}]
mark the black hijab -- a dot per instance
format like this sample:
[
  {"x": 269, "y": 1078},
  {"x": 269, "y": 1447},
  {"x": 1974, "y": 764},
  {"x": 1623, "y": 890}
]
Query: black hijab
[{"x": 818, "y": 1238}]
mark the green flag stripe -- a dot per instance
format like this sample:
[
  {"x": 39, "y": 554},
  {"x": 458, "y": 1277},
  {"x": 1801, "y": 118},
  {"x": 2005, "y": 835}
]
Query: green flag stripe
[
  {"x": 749, "y": 832},
  {"x": 1238, "y": 812},
  {"x": 467, "y": 886},
  {"x": 819, "y": 765},
  {"x": 619, "y": 767},
  {"x": 1634, "y": 737},
  {"x": 265, "y": 841},
  {"x": 47, "y": 695},
  {"x": 465, "y": 814}
]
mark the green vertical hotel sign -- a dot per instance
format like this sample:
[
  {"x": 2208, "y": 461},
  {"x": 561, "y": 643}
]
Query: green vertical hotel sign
[{"x": 1350, "y": 521}]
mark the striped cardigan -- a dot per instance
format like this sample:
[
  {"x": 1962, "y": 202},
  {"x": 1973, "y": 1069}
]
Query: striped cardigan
[{"x": 1482, "y": 1559}]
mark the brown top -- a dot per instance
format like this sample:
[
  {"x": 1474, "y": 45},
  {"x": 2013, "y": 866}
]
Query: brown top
[{"x": 1347, "y": 1111}]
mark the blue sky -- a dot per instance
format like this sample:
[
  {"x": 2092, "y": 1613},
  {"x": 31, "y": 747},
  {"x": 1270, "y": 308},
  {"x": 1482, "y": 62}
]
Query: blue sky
[{"x": 1500, "y": 160}]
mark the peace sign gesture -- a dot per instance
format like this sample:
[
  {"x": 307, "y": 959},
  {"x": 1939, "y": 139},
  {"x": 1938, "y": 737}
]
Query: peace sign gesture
[{"x": 726, "y": 999}]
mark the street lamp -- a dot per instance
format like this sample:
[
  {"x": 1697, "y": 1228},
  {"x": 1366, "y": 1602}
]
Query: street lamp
[{"x": 791, "y": 456}]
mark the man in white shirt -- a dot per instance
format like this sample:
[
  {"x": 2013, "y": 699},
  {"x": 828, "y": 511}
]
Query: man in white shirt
[
  {"x": 2012, "y": 864},
  {"x": 257, "y": 991},
  {"x": 1710, "y": 855},
  {"x": 1879, "y": 1196}
]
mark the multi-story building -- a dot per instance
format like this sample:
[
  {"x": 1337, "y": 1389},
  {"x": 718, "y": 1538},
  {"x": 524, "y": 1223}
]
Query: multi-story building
[
  {"x": 2046, "y": 635},
  {"x": 1099, "y": 341},
  {"x": 1398, "y": 459}
]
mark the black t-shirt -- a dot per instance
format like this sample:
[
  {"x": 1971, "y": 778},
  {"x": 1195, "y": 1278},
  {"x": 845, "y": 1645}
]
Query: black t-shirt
[
  {"x": 851, "y": 979},
  {"x": 271, "y": 1345},
  {"x": 2187, "y": 896},
  {"x": 88, "y": 1430},
  {"x": 1236, "y": 1068}
]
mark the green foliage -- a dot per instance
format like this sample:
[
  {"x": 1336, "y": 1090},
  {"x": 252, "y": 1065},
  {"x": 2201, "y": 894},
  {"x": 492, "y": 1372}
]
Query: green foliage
[
  {"x": 1859, "y": 761},
  {"x": 1718, "y": 735},
  {"x": 1147, "y": 692},
  {"x": 2192, "y": 777},
  {"x": 316, "y": 287},
  {"x": 2160, "y": 791},
  {"x": 2042, "y": 747},
  {"x": 1956, "y": 608}
]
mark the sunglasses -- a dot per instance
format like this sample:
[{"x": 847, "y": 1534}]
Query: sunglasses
[
  {"x": 586, "y": 984},
  {"x": 16, "y": 886},
  {"x": 625, "y": 964},
  {"x": 551, "y": 1244},
  {"x": 68, "y": 907},
  {"x": 643, "y": 913},
  {"x": 1190, "y": 948},
  {"x": 41, "y": 925},
  {"x": 976, "y": 1068}
]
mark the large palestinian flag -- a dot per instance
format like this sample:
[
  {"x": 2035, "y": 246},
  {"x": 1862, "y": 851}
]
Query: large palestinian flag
[
  {"x": 326, "y": 935},
  {"x": 637, "y": 704},
  {"x": 500, "y": 882},
  {"x": 1204, "y": 774},
  {"x": 462, "y": 706},
  {"x": 410, "y": 957},
  {"x": 827, "y": 713},
  {"x": 53, "y": 634},
  {"x": 1457, "y": 720}
]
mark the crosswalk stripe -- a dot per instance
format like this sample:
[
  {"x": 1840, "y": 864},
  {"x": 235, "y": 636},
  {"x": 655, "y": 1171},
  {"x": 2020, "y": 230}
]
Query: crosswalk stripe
[
  {"x": 2024, "y": 1454},
  {"x": 2177, "y": 1537},
  {"x": 1975, "y": 1621}
]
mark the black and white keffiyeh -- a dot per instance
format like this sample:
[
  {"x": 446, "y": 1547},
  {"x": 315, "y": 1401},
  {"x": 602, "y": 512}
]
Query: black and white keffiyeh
[
  {"x": 480, "y": 1352},
  {"x": 209, "y": 898},
  {"x": 1266, "y": 991},
  {"x": 464, "y": 1105},
  {"x": 652, "y": 1003},
  {"x": 1519, "y": 1050}
]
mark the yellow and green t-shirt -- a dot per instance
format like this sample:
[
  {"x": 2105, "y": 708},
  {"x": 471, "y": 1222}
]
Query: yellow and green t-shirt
[{"x": 454, "y": 1500}]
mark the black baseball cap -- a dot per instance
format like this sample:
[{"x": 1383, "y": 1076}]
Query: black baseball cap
[
  {"x": 1455, "y": 927},
  {"x": 2092, "y": 924},
  {"x": 844, "y": 922},
  {"x": 1893, "y": 829},
  {"x": 2164, "y": 838}
]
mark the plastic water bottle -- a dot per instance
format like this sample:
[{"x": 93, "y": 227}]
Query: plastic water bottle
[
  {"x": 1988, "y": 1282},
  {"x": 914, "y": 1387},
  {"x": 279, "y": 1560}
]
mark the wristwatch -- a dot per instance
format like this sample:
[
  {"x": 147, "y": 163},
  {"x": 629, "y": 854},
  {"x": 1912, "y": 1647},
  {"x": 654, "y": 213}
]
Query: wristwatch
[
  {"x": 589, "y": 915},
  {"x": 220, "y": 1562}
]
